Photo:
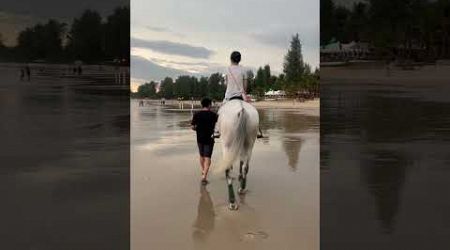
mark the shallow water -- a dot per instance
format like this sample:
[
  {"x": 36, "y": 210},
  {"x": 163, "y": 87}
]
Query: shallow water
[
  {"x": 384, "y": 161},
  {"x": 64, "y": 175},
  {"x": 170, "y": 210}
]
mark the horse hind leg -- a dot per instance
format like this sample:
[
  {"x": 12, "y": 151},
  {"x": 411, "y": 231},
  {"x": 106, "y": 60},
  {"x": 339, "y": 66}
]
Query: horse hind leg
[
  {"x": 241, "y": 163},
  {"x": 243, "y": 178},
  {"x": 231, "y": 198}
]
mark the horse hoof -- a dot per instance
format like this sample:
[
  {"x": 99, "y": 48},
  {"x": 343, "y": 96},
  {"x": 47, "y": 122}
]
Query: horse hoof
[
  {"x": 242, "y": 191},
  {"x": 233, "y": 206}
]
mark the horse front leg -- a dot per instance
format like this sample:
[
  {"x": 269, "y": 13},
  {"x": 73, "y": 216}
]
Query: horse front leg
[
  {"x": 231, "y": 198},
  {"x": 243, "y": 178}
]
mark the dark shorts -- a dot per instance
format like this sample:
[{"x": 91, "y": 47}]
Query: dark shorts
[{"x": 205, "y": 150}]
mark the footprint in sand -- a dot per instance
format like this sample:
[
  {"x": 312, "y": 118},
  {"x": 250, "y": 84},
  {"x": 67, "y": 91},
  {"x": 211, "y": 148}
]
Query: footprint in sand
[{"x": 258, "y": 235}]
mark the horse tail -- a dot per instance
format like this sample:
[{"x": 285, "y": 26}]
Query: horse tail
[{"x": 237, "y": 144}]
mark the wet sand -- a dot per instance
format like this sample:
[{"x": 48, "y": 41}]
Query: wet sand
[
  {"x": 170, "y": 210},
  {"x": 64, "y": 175},
  {"x": 385, "y": 138},
  {"x": 309, "y": 107}
]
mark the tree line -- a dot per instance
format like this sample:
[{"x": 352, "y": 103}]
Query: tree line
[
  {"x": 88, "y": 38},
  {"x": 389, "y": 24},
  {"x": 297, "y": 80}
]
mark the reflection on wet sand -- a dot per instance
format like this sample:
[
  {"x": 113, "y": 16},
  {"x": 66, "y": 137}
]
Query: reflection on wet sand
[
  {"x": 291, "y": 141},
  {"x": 291, "y": 147},
  {"x": 204, "y": 223},
  {"x": 384, "y": 173}
]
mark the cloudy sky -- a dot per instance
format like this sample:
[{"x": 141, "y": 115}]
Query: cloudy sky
[{"x": 174, "y": 37}]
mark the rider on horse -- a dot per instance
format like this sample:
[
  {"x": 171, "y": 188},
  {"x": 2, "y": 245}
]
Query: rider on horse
[{"x": 236, "y": 82}]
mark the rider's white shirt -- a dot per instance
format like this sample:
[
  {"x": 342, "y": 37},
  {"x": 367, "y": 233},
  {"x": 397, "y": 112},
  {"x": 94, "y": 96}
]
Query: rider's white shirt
[{"x": 234, "y": 79}]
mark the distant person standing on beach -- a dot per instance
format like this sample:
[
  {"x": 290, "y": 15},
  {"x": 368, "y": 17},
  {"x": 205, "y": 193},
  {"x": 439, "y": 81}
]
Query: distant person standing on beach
[
  {"x": 22, "y": 73},
  {"x": 203, "y": 123},
  {"x": 28, "y": 71}
]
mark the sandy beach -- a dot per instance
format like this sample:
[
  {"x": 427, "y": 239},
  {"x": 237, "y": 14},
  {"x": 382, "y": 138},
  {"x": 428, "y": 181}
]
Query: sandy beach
[
  {"x": 382, "y": 74},
  {"x": 170, "y": 210},
  {"x": 308, "y": 107}
]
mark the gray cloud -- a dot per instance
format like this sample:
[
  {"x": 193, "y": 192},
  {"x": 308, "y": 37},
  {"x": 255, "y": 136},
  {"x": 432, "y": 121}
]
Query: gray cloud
[
  {"x": 145, "y": 69},
  {"x": 276, "y": 40},
  {"x": 157, "y": 29},
  {"x": 203, "y": 64},
  {"x": 164, "y": 30},
  {"x": 173, "y": 48}
]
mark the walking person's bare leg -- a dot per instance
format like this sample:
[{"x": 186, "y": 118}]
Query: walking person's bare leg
[
  {"x": 202, "y": 163},
  {"x": 206, "y": 165}
]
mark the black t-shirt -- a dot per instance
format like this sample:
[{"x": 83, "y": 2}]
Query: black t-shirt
[{"x": 205, "y": 122}]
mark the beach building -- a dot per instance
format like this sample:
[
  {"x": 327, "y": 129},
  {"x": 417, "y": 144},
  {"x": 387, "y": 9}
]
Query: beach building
[
  {"x": 343, "y": 52},
  {"x": 275, "y": 94}
]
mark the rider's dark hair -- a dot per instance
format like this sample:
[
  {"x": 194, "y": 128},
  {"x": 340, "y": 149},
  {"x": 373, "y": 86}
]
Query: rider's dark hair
[
  {"x": 235, "y": 57},
  {"x": 206, "y": 102}
]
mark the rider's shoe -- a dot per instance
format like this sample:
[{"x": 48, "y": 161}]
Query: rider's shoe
[
  {"x": 260, "y": 134},
  {"x": 216, "y": 134}
]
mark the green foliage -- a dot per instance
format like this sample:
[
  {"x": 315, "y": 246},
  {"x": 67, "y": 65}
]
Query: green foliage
[
  {"x": 260, "y": 82},
  {"x": 216, "y": 87},
  {"x": 250, "y": 81},
  {"x": 279, "y": 83},
  {"x": 42, "y": 41},
  {"x": 188, "y": 87},
  {"x": 202, "y": 88},
  {"x": 85, "y": 37},
  {"x": 89, "y": 39},
  {"x": 166, "y": 88},
  {"x": 117, "y": 34},
  {"x": 147, "y": 90},
  {"x": 327, "y": 25},
  {"x": 293, "y": 66},
  {"x": 264, "y": 81},
  {"x": 185, "y": 87},
  {"x": 298, "y": 76},
  {"x": 388, "y": 24}
]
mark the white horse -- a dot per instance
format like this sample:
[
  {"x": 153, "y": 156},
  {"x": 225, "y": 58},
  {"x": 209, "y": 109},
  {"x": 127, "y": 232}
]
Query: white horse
[{"x": 238, "y": 125}]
